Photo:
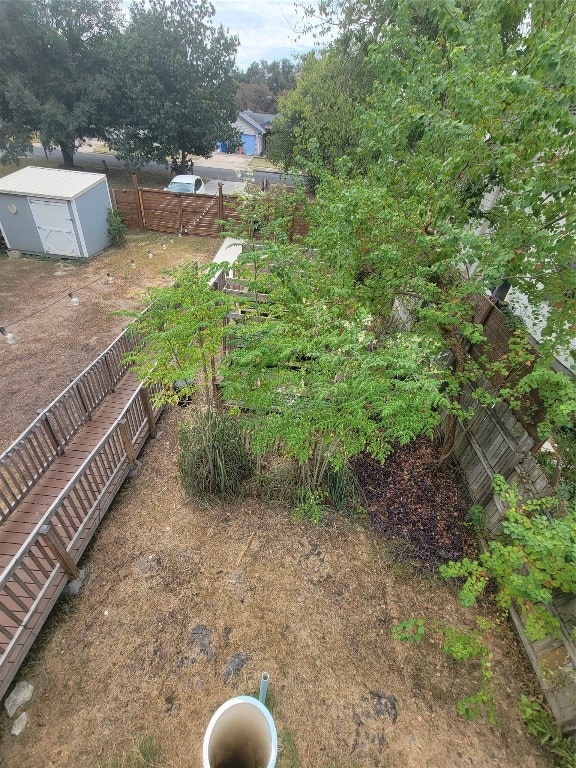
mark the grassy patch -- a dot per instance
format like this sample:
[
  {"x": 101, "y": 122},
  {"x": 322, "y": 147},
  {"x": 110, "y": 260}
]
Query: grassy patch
[
  {"x": 261, "y": 164},
  {"x": 145, "y": 753}
]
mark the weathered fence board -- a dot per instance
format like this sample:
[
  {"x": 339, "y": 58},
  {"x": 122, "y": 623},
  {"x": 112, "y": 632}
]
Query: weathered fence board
[{"x": 494, "y": 442}]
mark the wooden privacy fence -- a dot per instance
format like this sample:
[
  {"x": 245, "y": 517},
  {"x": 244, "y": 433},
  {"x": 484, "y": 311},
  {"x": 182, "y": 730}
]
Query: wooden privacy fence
[
  {"x": 161, "y": 211},
  {"x": 495, "y": 442},
  {"x": 28, "y": 458},
  {"x": 203, "y": 215}
]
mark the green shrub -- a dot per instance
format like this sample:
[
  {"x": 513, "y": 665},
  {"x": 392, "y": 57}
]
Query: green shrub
[
  {"x": 462, "y": 646},
  {"x": 117, "y": 229},
  {"x": 212, "y": 457},
  {"x": 533, "y": 557},
  {"x": 342, "y": 488},
  {"x": 540, "y": 725}
]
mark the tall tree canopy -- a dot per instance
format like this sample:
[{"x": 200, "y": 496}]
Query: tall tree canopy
[
  {"x": 263, "y": 83},
  {"x": 323, "y": 109},
  {"x": 466, "y": 165},
  {"x": 174, "y": 71},
  {"x": 53, "y": 71}
]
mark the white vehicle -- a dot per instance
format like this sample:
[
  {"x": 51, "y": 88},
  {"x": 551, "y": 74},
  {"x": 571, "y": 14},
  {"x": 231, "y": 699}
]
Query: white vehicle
[{"x": 187, "y": 184}]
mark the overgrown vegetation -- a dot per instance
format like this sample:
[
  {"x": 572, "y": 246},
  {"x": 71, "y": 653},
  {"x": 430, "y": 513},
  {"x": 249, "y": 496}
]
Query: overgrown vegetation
[
  {"x": 461, "y": 646},
  {"x": 180, "y": 332},
  {"x": 212, "y": 457},
  {"x": 534, "y": 556},
  {"x": 540, "y": 725},
  {"x": 117, "y": 229}
]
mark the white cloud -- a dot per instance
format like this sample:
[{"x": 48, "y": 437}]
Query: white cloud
[{"x": 268, "y": 29}]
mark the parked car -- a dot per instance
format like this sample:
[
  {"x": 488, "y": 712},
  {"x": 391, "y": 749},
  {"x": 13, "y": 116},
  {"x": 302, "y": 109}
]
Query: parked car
[{"x": 190, "y": 185}]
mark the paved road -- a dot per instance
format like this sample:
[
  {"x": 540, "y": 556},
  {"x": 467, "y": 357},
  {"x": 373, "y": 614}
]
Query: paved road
[{"x": 86, "y": 159}]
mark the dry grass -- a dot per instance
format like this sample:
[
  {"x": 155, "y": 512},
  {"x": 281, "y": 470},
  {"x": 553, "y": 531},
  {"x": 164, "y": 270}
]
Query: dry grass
[
  {"x": 312, "y": 606},
  {"x": 57, "y": 341}
]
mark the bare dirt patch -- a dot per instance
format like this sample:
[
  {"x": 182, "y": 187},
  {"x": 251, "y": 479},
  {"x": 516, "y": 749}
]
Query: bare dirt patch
[
  {"x": 177, "y": 589},
  {"x": 55, "y": 340}
]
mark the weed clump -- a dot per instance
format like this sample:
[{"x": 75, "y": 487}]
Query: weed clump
[{"x": 212, "y": 457}]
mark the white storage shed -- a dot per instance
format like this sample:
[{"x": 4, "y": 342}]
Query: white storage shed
[{"x": 50, "y": 211}]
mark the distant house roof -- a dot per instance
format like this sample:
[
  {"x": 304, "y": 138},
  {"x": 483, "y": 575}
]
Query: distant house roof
[
  {"x": 259, "y": 120},
  {"x": 49, "y": 182}
]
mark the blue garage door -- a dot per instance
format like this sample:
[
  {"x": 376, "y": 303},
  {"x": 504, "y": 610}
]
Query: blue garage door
[{"x": 249, "y": 144}]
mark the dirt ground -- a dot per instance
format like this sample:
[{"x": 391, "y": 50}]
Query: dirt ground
[
  {"x": 55, "y": 341},
  {"x": 176, "y": 589}
]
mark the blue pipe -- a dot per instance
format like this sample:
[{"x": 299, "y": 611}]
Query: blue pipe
[{"x": 263, "y": 687}]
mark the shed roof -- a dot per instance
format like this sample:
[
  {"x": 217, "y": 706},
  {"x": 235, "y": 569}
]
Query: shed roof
[{"x": 49, "y": 182}]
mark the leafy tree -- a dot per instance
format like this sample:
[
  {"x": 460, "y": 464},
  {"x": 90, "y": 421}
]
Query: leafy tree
[
  {"x": 264, "y": 83},
  {"x": 53, "y": 69},
  {"x": 322, "y": 110},
  {"x": 306, "y": 364},
  {"x": 459, "y": 117},
  {"x": 175, "y": 83},
  {"x": 256, "y": 97},
  {"x": 179, "y": 334}
]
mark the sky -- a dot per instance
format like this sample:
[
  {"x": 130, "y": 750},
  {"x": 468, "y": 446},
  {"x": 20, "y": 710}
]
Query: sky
[{"x": 268, "y": 29}]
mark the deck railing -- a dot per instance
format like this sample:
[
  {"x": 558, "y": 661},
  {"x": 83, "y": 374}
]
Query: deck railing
[
  {"x": 31, "y": 454},
  {"x": 32, "y": 580}
]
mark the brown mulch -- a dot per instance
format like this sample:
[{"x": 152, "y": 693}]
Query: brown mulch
[{"x": 411, "y": 500}]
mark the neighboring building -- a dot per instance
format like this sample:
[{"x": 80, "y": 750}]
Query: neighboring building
[{"x": 253, "y": 127}]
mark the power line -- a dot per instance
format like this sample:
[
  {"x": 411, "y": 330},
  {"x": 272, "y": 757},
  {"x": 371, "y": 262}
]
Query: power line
[{"x": 69, "y": 295}]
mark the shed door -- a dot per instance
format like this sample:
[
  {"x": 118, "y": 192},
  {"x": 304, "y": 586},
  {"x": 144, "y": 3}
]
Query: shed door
[{"x": 55, "y": 227}]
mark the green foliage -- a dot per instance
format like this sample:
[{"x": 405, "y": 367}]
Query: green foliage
[
  {"x": 179, "y": 335},
  {"x": 212, "y": 458},
  {"x": 322, "y": 109},
  {"x": 535, "y": 555},
  {"x": 410, "y": 630},
  {"x": 174, "y": 83},
  {"x": 117, "y": 229},
  {"x": 477, "y": 517},
  {"x": 566, "y": 441},
  {"x": 306, "y": 364},
  {"x": 462, "y": 646},
  {"x": 445, "y": 181},
  {"x": 342, "y": 489},
  {"x": 49, "y": 51},
  {"x": 263, "y": 83},
  {"x": 310, "y": 505},
  {"x": 540, "y": 725}
]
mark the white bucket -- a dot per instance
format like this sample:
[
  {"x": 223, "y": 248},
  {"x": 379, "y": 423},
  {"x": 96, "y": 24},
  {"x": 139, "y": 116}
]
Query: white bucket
[{"x": 241, "y": 734}]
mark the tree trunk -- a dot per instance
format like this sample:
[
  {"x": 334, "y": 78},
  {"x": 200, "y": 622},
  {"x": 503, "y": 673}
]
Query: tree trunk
[{"x": 67, "y": 155}]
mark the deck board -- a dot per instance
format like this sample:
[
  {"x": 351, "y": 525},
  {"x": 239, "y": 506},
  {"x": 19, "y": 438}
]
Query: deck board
[{"x": 75, "y": 525}]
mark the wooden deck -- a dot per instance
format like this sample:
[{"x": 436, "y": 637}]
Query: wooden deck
[{"x": 52, "y": 508}]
